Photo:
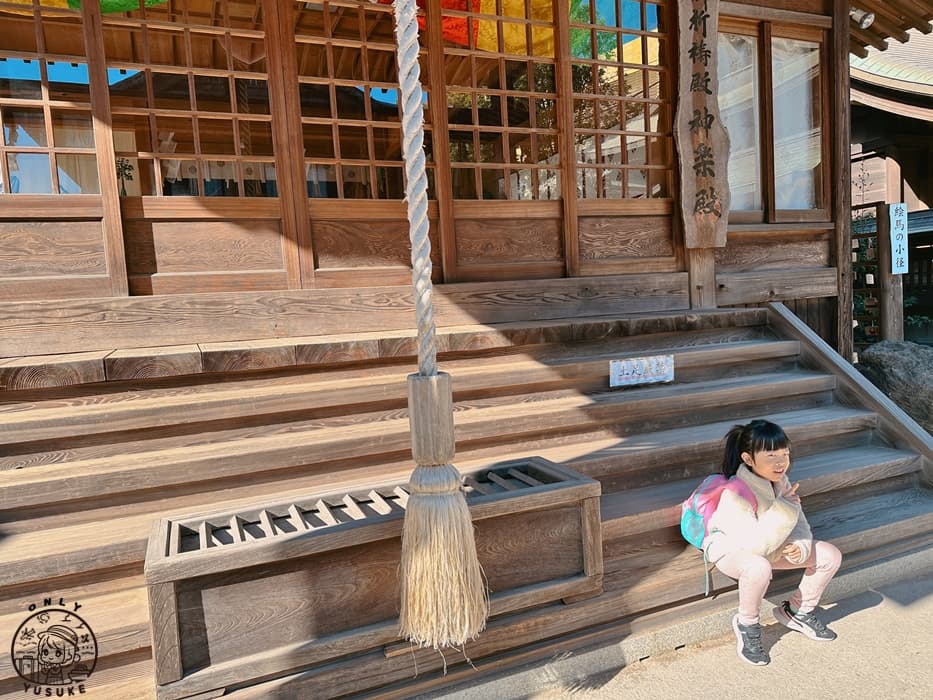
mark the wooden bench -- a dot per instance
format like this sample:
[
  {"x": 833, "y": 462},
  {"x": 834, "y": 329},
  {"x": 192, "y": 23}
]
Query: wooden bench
[{"x": 240, "y": 597}]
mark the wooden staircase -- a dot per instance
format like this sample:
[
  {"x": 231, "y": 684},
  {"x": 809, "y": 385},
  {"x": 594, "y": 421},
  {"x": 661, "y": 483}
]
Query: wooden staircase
[{"x": 85, "y": 469}]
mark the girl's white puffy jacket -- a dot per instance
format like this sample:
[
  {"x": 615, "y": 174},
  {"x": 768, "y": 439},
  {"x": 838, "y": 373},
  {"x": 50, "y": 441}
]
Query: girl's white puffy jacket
[{"x": 779, "y": 522}]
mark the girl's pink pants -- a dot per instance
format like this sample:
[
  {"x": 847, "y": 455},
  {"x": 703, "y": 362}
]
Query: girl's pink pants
[{"x": 753, "y": 572}]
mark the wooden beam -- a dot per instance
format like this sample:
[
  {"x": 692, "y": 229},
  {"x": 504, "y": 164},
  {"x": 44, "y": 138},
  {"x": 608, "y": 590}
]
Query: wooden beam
[
  {"x": 775, "y": 285},
  {"x": 103, "y": 139},
  {"x": 895, "y": 31},
  {"x": 757, "y": 12},
  {"x": 842, "y": 178},
  {"x": 188, "y": 208},
  {"x": 52, "y": 370},
  {"x": 72, "y": 325},
  {"x": 869, "y": 37},
  {"x": 857, "y": 48},
  {"x": 886, "y": 20},
  {"x": 917, "y": 15},
  {"x": 67, "y": 206}
]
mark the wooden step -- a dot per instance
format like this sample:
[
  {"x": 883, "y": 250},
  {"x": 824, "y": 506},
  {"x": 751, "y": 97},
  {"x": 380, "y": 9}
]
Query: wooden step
[
  {"x": 663, "y": 573},
  {"x": 639, "y": 460},
  {"x": 580, "y": 365},
  {"x": 127, "y": 676},
  {"x": 613, "y": 454},
  {"x": 632, "y": 583},
  {"x": 626, "y": 597},
  {"x": 116, "y": 610},
  {"x": 114, "y": 535},
  {"x": 70, "y": 448},
  {"x": 637, "y": 511},
  {"x": 121, "y": 364},
  {"x": 329, "y": 442}
]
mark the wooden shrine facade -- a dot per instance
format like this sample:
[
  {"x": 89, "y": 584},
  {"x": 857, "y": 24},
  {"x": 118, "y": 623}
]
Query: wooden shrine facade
[{"x": 222, "y": 146}]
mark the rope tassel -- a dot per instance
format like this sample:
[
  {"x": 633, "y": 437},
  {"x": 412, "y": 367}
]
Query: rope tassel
[{"x": 443, "y": 595}]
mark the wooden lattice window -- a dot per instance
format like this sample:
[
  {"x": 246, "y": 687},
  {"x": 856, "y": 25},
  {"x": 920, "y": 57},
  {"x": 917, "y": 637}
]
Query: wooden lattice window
[
  {"x": 622, "y": 86},
  {"x": 190, "y": 99},
  {"x": 350, "y": 112},
  {"x": 47, "y": 144},
  {"x": 500, "y": 72}
]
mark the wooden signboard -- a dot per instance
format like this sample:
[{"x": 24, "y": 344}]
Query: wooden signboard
[{"x": 702, "y": 141}]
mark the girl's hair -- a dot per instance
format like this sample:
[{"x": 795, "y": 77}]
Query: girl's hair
[{"x": 756, "y": 436}]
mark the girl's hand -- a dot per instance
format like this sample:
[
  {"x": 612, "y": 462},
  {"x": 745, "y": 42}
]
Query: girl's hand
[
  {"x": 790, "y": 494},
  {"x": 792, "y": 553}
]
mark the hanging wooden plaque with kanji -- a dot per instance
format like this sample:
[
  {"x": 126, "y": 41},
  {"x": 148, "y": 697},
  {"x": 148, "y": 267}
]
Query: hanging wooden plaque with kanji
[{"x": 702, "y": 141}]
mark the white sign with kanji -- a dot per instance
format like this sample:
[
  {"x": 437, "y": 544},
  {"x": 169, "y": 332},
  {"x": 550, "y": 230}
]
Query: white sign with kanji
[
  {"x": 898, "y": 214},
  {"x": 641, "y": 370}
]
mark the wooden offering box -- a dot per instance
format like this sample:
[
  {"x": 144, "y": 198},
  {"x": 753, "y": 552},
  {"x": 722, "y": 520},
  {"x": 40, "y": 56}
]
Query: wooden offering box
[{"x": 240, "y": 597}]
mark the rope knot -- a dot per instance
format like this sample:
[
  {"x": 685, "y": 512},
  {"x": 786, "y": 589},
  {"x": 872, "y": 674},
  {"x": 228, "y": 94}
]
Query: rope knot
[{"x": 440, "y": 480}]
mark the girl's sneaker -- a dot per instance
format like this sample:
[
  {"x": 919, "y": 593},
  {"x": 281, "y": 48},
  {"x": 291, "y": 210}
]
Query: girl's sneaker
[
  {"x": 805, "y": 623},
  {"x": 748, "y": 643}
]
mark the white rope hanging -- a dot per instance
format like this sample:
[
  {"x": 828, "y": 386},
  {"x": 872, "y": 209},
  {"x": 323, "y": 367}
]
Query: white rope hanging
[
  {"x": 443, "y": 598},
  {"x": 416, "y": 186}
]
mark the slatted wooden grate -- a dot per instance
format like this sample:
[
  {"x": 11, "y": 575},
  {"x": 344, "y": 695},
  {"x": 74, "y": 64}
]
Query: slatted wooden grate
[{"x": 328, "y": 512}]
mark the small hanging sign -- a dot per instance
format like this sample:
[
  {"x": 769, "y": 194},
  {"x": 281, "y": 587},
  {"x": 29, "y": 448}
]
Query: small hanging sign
[
  {"x": 641, "y": 370},
  {"x": 898, "y": 214}
]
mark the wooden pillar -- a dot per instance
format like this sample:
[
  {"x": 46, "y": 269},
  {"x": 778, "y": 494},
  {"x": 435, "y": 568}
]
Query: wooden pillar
[
  {"x": 891, "y": 291},
  {"x": 565, "y": 141},
  {"x": 701, "y": 266},
  {"x": 437, "y": 113},
  {"x": 702, "y": 146},
  {"x": 842, "y": 180},
  {"x": 288, "y": 142},
  {"x": 99, "y": 86},
  {"x": 894, "y": 191}
]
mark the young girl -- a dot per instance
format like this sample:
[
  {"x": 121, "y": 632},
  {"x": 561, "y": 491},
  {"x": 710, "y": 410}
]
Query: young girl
[{"x": 747, "y": 545}]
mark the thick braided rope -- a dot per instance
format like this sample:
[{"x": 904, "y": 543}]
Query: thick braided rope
[{"x": 416, "y": 186}]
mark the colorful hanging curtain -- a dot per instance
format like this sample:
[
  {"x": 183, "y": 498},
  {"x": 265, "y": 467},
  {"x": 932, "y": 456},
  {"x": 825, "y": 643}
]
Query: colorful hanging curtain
[
  {"x": 105, "y": 5},
  {"x": 483, "y": 31}
]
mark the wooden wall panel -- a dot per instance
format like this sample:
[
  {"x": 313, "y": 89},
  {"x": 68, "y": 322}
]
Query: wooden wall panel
[
  {"x": 745, "y": 257},
  {"x": 359, "y": 243},
  {"x": 365, "y": 243},
  {"x": 202, "y": 246},
  {"x": 182, "y": 245},
  {"x": 51, "y": 248},
  {"x": 530, "y": 547},
  {"x": 506, "y": 241},
  {"x": 360, "y": 582},
  {"x": 607, "y": 238}
]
